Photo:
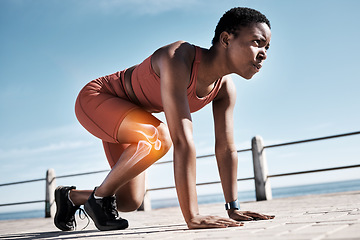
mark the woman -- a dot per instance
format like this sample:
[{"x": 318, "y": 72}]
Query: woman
[{"x": 177, "y": 79}]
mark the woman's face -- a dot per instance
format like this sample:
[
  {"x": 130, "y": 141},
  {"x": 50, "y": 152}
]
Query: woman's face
[{"x": 248, "y": 50}]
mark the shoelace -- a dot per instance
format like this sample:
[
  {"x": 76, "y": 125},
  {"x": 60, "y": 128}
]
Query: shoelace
[
  {"x": 82, "y": 218},
  {"x": 109, "y": 207}
]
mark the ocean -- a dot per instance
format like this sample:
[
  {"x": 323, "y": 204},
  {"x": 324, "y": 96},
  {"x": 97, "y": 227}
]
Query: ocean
[{"x": 244, "y": 196}]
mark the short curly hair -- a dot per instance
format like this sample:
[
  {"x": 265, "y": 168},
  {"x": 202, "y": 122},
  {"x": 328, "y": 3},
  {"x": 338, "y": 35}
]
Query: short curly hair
[{"x": 236, "y": 18}]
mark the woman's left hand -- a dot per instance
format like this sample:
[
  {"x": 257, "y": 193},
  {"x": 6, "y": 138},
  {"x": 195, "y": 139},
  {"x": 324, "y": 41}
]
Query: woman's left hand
[{"x": 248, "y": 215}]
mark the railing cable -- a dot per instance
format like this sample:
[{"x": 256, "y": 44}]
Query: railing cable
[{"x": 312, "y": 140}]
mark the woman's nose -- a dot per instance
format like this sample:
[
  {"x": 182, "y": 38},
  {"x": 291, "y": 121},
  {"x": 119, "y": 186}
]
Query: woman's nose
[{"x": 262, "y": 54}]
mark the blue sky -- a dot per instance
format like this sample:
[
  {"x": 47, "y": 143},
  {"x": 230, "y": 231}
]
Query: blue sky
[{"x": 308, "y": 87}]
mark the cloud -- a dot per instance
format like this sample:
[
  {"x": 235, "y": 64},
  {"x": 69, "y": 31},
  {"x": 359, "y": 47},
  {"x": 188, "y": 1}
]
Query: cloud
[
  {"x": 32, "y": 142},
  {"x": 142, "y": 7},
  {"x": 321, "y": 126},
  {"x": 52, "y": 147}
]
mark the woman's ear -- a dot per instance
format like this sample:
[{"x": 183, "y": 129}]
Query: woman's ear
[{"x": 224, "y": 39}]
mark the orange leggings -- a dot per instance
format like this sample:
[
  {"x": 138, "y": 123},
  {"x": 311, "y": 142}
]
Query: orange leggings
[{"x": 100, "y": 107}]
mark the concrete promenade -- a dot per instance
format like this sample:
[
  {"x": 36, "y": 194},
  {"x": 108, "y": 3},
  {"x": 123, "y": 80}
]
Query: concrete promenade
[{"x": 328, "y": 216}]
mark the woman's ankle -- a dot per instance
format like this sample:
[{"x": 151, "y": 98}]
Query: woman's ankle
[
  {"x": 100, "y": 193},
  {"x": 79, "y": 197}
]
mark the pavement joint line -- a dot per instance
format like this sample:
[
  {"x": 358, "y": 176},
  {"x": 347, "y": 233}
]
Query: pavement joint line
[
  {"x": 294, "y": 230},
  {"x": 332, "y": 224},
  {"x": 331, "y": 232}
]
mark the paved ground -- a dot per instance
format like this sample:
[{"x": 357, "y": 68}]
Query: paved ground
[{"x": 329, "y": 216}]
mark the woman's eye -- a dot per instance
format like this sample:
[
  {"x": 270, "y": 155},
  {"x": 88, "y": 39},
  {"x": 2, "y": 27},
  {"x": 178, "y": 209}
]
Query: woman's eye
[{"x": 257, "y": 42}]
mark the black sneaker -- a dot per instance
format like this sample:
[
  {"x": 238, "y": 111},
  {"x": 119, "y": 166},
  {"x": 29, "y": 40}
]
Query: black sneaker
[
  {"x": 104, "y": 214},
  {"x": 65, "y": 211}
]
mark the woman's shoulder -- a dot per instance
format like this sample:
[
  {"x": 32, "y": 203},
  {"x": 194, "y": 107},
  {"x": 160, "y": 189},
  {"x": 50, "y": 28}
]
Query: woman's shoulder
[
  {"x": 175, "y": 52},
  {"x": 179, "y": 50}
]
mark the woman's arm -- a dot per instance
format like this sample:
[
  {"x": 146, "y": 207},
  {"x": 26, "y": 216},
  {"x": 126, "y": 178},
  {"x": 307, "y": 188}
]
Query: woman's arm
[
  {"x": 225, "y": 149},
  {"x": 175, "y": 76},
  {"x": 174, "y": 63}
]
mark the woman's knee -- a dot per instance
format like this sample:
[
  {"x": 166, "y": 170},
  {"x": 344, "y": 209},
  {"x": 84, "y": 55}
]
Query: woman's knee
[
  {"x": 164, "y": 137},
  {"x": 130, "y": 196},
  {"x": 129, "y": 205}
]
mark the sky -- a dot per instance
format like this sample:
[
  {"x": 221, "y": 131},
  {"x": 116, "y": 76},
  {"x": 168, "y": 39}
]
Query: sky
[{"x": 307, "y": 88}]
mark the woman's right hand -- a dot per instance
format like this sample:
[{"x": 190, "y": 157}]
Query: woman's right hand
[{"x": 200, "y": 221}]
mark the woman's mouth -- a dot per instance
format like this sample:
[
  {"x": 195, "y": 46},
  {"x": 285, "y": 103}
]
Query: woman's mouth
[{"x": 257, "y": 67}]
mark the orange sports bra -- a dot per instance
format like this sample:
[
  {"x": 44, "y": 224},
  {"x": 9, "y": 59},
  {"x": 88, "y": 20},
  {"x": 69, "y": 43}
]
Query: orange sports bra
[{"x": 146, "y": 86}]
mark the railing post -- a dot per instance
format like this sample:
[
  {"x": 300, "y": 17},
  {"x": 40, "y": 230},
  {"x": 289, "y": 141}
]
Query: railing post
[
  {"x": 49, "y": 197},
  {"x": 262, "y": 182},
  {"x": 146, "y": 204}
]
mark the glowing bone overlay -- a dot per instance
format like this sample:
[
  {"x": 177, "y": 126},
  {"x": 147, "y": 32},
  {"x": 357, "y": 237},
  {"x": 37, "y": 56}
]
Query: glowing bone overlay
[
  {"x": 144, "y": 147},
  {"x": 153, "y": 139}
]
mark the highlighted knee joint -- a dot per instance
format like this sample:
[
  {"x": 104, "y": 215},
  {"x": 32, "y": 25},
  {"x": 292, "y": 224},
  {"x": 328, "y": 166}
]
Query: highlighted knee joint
[
  {"x": 144, "y": 147},
  {"x": 153, "y": 138}
]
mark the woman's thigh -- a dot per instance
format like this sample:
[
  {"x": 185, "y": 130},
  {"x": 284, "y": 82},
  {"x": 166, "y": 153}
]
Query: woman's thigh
[{"x": 101, "y": 113}]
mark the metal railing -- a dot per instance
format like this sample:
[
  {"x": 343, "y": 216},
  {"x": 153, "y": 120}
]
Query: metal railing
[{"x": 261, "y": 180}]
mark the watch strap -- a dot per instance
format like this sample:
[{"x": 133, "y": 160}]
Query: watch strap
[{"x": 232, "y": 205}]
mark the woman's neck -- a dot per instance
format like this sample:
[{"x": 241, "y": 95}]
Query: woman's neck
[{"x": 212, "y": 66}]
